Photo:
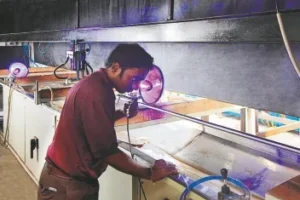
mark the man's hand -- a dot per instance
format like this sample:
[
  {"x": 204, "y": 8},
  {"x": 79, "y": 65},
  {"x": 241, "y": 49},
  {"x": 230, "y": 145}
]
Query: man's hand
[
  {"x": 133, "y": 109},
  {"x": 126, "y": 164},
  {"x": 162, "y": 169}
]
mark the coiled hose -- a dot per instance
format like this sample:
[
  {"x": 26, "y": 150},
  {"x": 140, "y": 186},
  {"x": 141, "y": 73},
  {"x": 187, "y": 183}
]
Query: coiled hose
[{"x": 236, "y": 182}]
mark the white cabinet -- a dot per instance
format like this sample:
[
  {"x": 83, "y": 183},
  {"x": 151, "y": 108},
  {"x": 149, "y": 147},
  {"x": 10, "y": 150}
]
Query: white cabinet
[
  {"x": 16, "y": 136},
  {"x": 40, "y": 124},
  {"x": 115, "y": 185},
  {"x": 28, "y": 121}
]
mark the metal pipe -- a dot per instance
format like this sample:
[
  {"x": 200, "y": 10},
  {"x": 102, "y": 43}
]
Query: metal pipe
[
  {"x": 36, "y": 94},
  {"x": 218, "y": 127},
  {"x": 171, "y": 10}
]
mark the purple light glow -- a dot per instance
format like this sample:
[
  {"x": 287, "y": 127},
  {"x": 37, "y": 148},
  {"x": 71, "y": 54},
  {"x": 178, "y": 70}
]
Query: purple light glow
[
  {"x": 145, "y": 85},
  {"x": 19, "y": 70}
]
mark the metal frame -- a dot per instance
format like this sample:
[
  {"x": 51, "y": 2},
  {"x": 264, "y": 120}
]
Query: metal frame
[
  {"x": 150, "y": 161},
  {"x": 276, "y": 146},
  {"x": 228, "y": 130},
  {"x": 259, "y": 28},
  {"x": 284, "y": 155}
]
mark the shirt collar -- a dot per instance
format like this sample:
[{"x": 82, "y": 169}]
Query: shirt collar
[{"x": 105, "y": 80}]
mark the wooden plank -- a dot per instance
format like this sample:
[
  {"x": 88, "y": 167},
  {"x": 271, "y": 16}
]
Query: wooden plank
[
  {"x": 197, "y": 106},
  {"x": 5, "y": 72},
  {"x": 281, "y": 129},
  {"x": 59, "y": 104},
  {"x": 45, "y": 69},
  {"x": 270, "y": 118},
  {"x": 57, "y": 92},
  {"x": 289, "y": 190},
  {"x": 42, "y": 78}
]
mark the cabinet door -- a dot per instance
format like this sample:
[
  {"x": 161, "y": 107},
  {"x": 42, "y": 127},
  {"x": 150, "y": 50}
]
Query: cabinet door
[
  {"x": 40, "y": 124},
  {"x": 5, "y": 91},
  {"x": 113, "y": 180},
  {"x": 16, "y": 134}
]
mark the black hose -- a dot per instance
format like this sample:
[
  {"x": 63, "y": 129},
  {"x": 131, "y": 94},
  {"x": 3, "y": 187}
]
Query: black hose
[
  {"x": 89, "y": 67},
  {"x": 86, "y": 69},
  {"x": 77, "y": 65},
  {"x": 54, "y": 72},
  {"x": 132, "y": 155}
]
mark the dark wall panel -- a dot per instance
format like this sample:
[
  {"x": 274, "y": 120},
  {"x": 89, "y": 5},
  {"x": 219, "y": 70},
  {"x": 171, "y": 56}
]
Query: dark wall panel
[
  {"x": 121, "y": 12},
  {"x": 7, "y": 17},
  {"x": 35, "y": 15},
  {"x": 46, "y": 15},
  {"x": 191, "y": 9},
  {"x": 289, "y": 4},
  {"x": 260, "y": 76}
]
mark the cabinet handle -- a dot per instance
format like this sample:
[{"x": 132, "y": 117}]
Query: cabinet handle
[{"x": 34, "y": 144}]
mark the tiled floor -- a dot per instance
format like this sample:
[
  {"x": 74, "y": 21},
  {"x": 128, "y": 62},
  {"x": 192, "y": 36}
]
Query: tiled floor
[{"x": 15, "y": 184}]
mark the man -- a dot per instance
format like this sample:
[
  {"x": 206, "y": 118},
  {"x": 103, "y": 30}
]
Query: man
[{"x": 85, "y": 140}]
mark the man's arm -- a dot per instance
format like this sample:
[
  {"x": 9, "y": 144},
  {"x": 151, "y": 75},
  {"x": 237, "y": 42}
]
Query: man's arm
[
  {"x": 102, "y": 141},
  {"x": 124, "y": 163}
]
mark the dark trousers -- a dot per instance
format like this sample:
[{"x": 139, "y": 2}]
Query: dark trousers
[{"x": 54, "y": 186}]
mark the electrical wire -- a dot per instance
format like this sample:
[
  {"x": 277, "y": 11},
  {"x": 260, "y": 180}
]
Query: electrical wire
[
  {"x": 89, "y": 66},
  {"x": 285, "y": 40},
  {"x": 54, "y": 72},
  {"x": 132, "y": 155},
  {"x": 6, "y": 135},
  {"x": 86, "y": 69}
]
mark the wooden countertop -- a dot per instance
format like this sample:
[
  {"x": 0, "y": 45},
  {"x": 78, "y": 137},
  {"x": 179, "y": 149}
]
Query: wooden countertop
[
  {"x": 289, "y": 190},
  {"x": 42, "y": 74},
  {"x": 34, "y": 71}
]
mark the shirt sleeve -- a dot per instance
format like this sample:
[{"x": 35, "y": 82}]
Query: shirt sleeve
[{"x": 98, "y": 124}]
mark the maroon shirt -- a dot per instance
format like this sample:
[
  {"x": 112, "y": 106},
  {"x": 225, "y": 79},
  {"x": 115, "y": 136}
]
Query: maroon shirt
[{"x": 85, "y": 133}]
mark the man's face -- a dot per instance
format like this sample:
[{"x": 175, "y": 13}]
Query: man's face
[{"x": 127, "y": 80}]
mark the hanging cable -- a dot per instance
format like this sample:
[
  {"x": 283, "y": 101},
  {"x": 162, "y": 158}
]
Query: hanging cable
[
  {"x": 132, "y": 155},
  {"x": 89, "y": 66},
  {"x": 285, "y": 40},
  {"x": 59, "y": 77},
  {"x": 86, "y": 69},
  {"x": 6, "y": 135}
]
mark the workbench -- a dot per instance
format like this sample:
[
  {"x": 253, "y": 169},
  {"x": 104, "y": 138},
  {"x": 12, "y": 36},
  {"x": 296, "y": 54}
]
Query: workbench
[{"x": 34, "y": 104}]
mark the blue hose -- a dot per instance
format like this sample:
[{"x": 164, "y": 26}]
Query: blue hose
[{"x": 209, "y": 178}]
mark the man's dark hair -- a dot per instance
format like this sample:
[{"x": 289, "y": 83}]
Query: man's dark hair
[{"x": 130, "y": 55}]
